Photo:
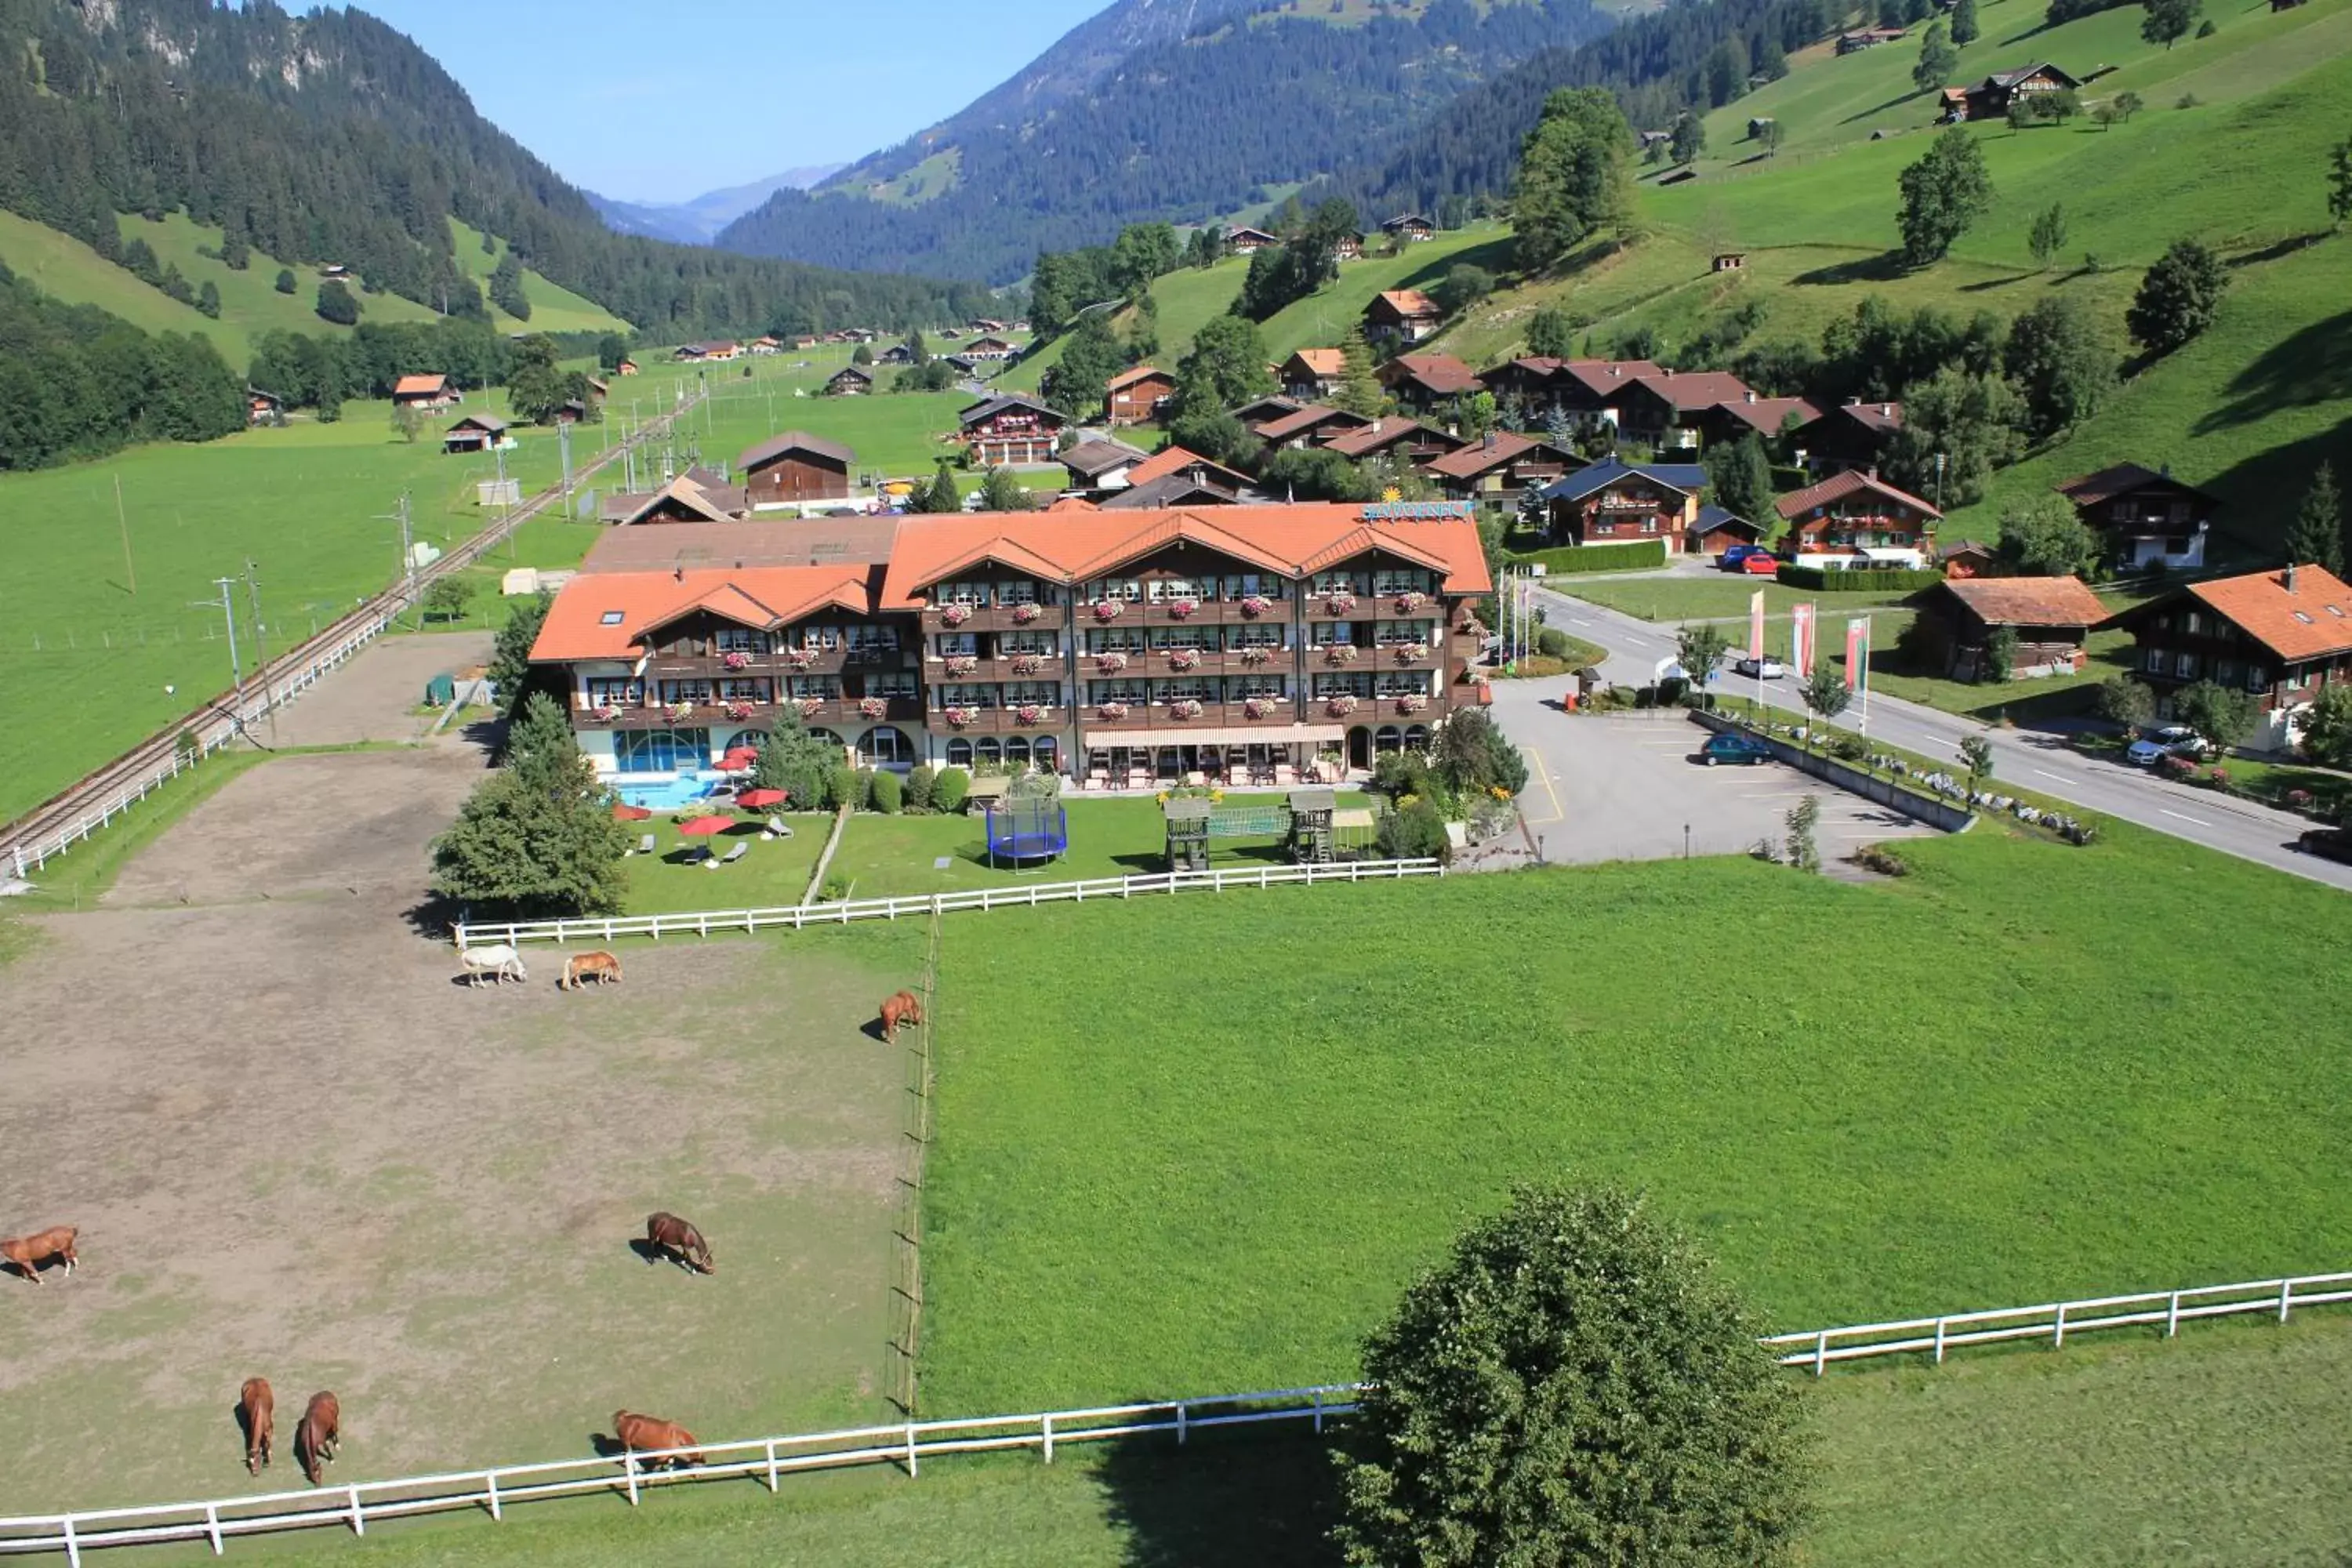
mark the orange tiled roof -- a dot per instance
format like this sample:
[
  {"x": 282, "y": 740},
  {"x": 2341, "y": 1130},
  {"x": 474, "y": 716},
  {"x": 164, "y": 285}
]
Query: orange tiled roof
[
  {"x": 2312, "y": 620},
  {"x": 419, "y": 385},
  {"x": 605, "y": 615},
  {"x": 1139, "y": 373},
  {"x": 1408, "y": 302},
  {"x": 2029, "y": 601},
  {"x": 1175, "y": 460},
  {"x": 1321, "y": 361}
]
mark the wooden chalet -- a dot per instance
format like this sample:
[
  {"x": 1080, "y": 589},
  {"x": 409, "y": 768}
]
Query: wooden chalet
[
  {"x": 766, "y": 346},
  {"x": 1667, "y": 410},
  {"x": 1010, "y": 429},
  {"x": 850, "y": 380},
  {"x": 2282, "y": 636},
  {"x": 263, "y": 407},
  {"x": 425, "y": 394},
  {"x": 1588, "y": 393},
  {"x": 1309, "y": 427},
  {"x": 1525, "y": 382},
  {"x": 476, "y": 432},
  {"x": 696, "y": 496},
  {"x": 1991, "y": 98},
  {"x": 1260, "y": 410},
  {"x": 1728, "y": 261},
  {"x": 1248, "y": 241},
  {"x": 1856, "y": 520},
  {"x": 795, "y": 466},
  {"x": 1862, "y": 39},
  {"x": 991, "y": 347},
  {"x": 1715, "y": 530},
  {"x": 1421, "y": 382},
  {"x": 1398, "y": 436},
  {"x": 1966, "y": 558},
  {"x": 716, "y": 352},
  {"x": 2052, "y": 619},
  {"x": 1856, "y": 435},
  {"x": 1348, "y": 247},
  {"x": 1398, "y": 318},
  {"x": 1099, "y": 465},
  {"x": 1138, "y": 394},
  {"x": 1189, "y": 488},
  {"x": 896, "y": 355},
  {"x": 1310, "y": 375},
  {"x": 1173, "y": 461},
  {"x": 1782, "y": 422},
  {"x": 1613, "y": 502},
  {"x": 627, "y": 367},
  {"x": 1500, "y": 465},
  {"x": 2146, "y": 517},
  {"x": 1409, "y": 226}
]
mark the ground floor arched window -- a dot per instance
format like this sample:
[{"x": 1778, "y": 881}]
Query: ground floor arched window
[
  {"x": 989, "y": 751},
  {"x": 1416, "y": 737},
  {"x": 1016, "y": 751},
  {"x": 1041, "y": 754},
  {"x": 1387, "y": 738},
  {"x": 661, "y": 750},
  {"x": 751, "y": 740},
  {"x": 884, "y": 745},
  {"x": 827, "y": 737},
  {"x": 959, "y": 753}
]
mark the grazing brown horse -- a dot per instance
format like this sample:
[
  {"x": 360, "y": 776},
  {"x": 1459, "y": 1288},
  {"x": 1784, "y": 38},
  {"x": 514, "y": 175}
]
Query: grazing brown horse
[
  {"x": 600, "y": 967},
  {"x": 257, "y": 1409},
  {"x": 321, "y": 1431},
  {"x": 641, "y": 1433},
  {"x": 29, "y": 1252},
  {"x": 669, "y": 1236},
  {"x": 901, "y": 1008}
]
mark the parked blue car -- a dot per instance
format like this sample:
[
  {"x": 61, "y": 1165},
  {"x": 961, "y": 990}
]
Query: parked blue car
[
  {"x": 1735, "y": 557},
  {"x": 1733, "y": 749}
]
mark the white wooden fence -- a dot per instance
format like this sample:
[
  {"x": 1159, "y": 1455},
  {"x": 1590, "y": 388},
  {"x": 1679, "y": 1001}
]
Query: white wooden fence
[
  {"x": 357, "y": 1504},
  {"x": 609, "y": 928}
]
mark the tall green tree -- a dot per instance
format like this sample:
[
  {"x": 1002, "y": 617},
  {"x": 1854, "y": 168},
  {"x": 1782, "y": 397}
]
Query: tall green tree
[
  {"x": 2043, "y": 536},
  {"x": 2177, "y": 297},
  {"x": 2048, "y": 236},
  {"x": 2328, "y": 727},
  {"x": 510, "y": 673},
  {"x": 1359, "y": 391},
  {"x": 1000, "y": 490},
  {"x": 538, "y": 385},
  {"x": 1739, "y": 476},
  {"x": 1551, "y": 333},
  {"x": 1938, "y": 58},
  {"x": 536, "y": 838},
  {"x": 1689, "y": 139},
  {"x": 2062, "y": 362},
  {"x": 1944, "y": 193},
  {"x": 796, "y": 762},
  {"x": 505, "y": 290},
  {"x": 1575, "y": 175},
  {"x": 1573, "y": 1385},
  {"x": 2222, "y": 716},
  {"x": 2318, "y": 535},
  {"x": 1699, "y": 648},
  {"x": 1091, "y": 356},
  {"x": 939, "y": 496},
  {"x": 336, "y": 304},
  {"x": 1971, "y": 422},
  {"x": 2340, "y": 183},
  {"x": 1964, "y": 23},
  {"x": 284, "y": 282},
  {"x": 1224, "y": 368},
  {"x": 2168, "y": 21}
]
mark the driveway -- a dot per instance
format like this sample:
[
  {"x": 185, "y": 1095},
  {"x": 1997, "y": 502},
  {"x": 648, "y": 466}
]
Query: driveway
[{"x": 1626, "y": 788}]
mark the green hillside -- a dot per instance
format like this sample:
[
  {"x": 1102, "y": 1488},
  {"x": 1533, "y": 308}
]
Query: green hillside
[
  {"x": 2237, "y": 161},
  {"x": 554, "y": 308}
]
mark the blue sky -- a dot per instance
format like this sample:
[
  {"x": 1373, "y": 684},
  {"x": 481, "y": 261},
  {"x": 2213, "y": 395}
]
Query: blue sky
[{"x": 665, "y": 101}]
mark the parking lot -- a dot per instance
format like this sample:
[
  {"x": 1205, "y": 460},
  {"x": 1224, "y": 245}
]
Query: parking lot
[{"x": 1629, "y": 788}]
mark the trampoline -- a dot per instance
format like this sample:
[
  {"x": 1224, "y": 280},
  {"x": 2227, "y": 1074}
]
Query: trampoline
[{"x": 1021, "y": 830}]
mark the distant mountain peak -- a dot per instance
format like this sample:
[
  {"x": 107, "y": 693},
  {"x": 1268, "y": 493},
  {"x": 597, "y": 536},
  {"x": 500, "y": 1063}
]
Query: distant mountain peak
[{"x": 699, "y": 221}]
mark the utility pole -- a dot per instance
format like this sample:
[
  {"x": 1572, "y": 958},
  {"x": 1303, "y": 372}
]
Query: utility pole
[
  {"x": 407, "y": 557},
  {"x": 260, "y": 651},
  {"x": 236, "y": 670},
  {"x": 563, "y": 443}
]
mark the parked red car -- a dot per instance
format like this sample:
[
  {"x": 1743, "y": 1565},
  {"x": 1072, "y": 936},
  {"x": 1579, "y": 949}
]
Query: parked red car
[{"x": 1761, "y": 564}]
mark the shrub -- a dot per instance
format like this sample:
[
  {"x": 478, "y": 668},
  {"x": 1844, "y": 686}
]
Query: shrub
[
  {"x": 890, "y": 795},
  {"x": 1642, "y": 556},
  {"x": 1551, "y": 643},
  {"x": 1842, "y": 582},
  {"x": 1848, "y": 747},
  {"x": 1415, "y": 832},
  {"x": 917, "y": 795},
  {"x": 949, "y": 789},
  {"x": 843, "y": 786}
]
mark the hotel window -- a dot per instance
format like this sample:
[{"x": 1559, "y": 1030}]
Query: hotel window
[
  {"x": 959, "y": 593},
  {"x": 1126, "y": 588},
  {"x": 1184, "y": 637},
  {"x": 1333, "y": 583},
  {"x": 2196, "y": 623},
  {"x": 2184, "y": 665},
  {"x": 1166, "y": 588},
  {"x": 873, "y": 639},
  {"x": 1183, "y": 689},
  {"x": 1121, "y": 639},
  {"x": 895, "y": 684},
  {"x": 742, "y": 691},
  {"x": 1043, "y": 693},
  {"x": 1019, "y": 591},
  {"x": 1248, "y": 686},
  {"x": 1324, "y": 633},
  {"x": 950, "y": 644},
  {"x": 2258, "y": 679},
  {"x": 967, "y": 695},
  {"x": 815, "y": 687},
  {"x": 1246, "y": 584},
  {"x": 1127, "y": 691},
  {"x": 674, "y": 691},
  {"x": 1401, "y": 634},
  {"x": 1402, "y": 684},
  {"x": 1399, "y": 582},
  {"x": 1254, "y": 635},
  {"x": 2154, "y": 661},
  {"x": 740, "y": 639},
  {"x": 828, "y": 639},
  {"x": 1010, "y": 643},
  {"x": 606, "y": 692},
  {"x": 1343, "y": 686}
]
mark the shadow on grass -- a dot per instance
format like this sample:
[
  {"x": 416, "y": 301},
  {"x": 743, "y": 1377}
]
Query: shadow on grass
[
  {"x": 1494, "y": 255},
  {"x": 2312, "y": 365},
  {"x": 1886, "y": 267},
  {"x": 1260, "y": 1497},
  {"x": 1987, "y": 284}
]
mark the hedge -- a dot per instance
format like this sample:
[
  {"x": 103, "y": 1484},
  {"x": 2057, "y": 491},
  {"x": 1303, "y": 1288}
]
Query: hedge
[
  {"x": 1845, "y": 582},
  {"x": 1643, "y": 555}
]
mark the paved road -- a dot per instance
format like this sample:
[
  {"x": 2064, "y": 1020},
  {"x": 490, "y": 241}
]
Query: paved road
[{"x": 2027, "y": 759}]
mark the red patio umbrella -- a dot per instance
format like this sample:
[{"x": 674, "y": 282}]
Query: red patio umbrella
[
  {"x": 624, "y": 812},
  {"x": 761, "y": 799},
  {"x": 739, "y": 757},
  {"x": 704, "y": 826}
]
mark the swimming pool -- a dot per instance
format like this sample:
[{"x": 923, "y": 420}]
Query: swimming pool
[{"x": 668, "y": 794}]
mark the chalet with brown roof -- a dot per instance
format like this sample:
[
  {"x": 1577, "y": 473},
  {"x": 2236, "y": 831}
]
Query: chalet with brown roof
[
  {"x": 1396, "y": 435},
  {"x": 263, "y": 407},
  {"x": 1500, "y": 465},
  {"x": 1312, "y": 375},
  {"x": 1399, "y": 318},
  {"x": 1966, "y": 558},
  {"x": 1856, "y": 435},
  {"x": 1865, "y": 39},
  {"x": 1588, "y": 393},
  {"x": 1125, "y": 648},
  {"x": 1263, "y": 410},
  {"x": 1348, "y": 247},
  {"x": 1187, "y": 488},
  {"x": 1410, "y": 228},
  {"x": 1248, "y": 241},
  {"x": 1856, "y": 520},
  {"x": 989, "y": 348},
  {"x": 1170, "y": 461},
  {"x": 718, "y": 351},
  {"x": 1783, "y": 423},
  {"x": 1420, "y": 382},
  {"x": 1011, "y": 429},
  {"x": 697, "y": 496},
  {"x": 1525, "y": 382},
  {"x": 627, "y": 367},
  {"x": 1728, "y": 261},
  {"x": 1992, "y": 98},
  {"x": 1100, "y": 464},
  {"x": 849, "y": 381},
  {"x": 1717, "y": 528},
  {"x": 475, "y": 434},
  {"x": 2146, "y": 518},
  {"x": 2282, "y": 636},
  {"x": 1664, "y": 410},
  {"x": 795, "y": 466},
  {"x": 2051, "y": 618},
  {"x": 1309, "y": 427},
  {"x": 1139, "y": 394},
  {"x": 1612, "y": 502},
  {"x": 425, "y": 394}
]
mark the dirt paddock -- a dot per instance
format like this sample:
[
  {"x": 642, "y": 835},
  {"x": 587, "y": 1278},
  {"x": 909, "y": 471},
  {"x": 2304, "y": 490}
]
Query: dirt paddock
[{"x": 296, "y": 1148}]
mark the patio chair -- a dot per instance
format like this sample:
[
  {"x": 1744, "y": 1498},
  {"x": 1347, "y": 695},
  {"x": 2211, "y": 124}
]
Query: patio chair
[
  {"x": 646, "y": 845},
  {"x": 728, "y": 859},
  {"x": 779, "y": 827}
]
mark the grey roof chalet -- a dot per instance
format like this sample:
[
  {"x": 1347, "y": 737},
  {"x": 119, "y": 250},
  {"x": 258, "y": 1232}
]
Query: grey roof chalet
[
  {"x": 1172, "y": 489},
  {"x": 1688, "y": 478},
  {"x": 1009, "y": 401},
  {"x": 1093, "y": 459},
  {"x": 775, "y": 447},
  {"x": 485, "y": 422}
]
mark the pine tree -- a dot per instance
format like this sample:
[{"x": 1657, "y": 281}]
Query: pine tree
[
  {"x": 2318, "y": 537},
  {"x": 1360, "y": 392},
  {"x": 1964, "y": 22}
]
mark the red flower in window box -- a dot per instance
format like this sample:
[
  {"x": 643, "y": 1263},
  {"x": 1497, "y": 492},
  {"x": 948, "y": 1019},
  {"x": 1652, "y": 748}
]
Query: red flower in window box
[
  {"x": 1112, "y": 711},
  {"x": 678, "y": 710},
  {"x": 1028, "y": 713},
  {"x": 1027, "y": 663},
  {"x": 1107, "y": 609},
  {"x": 1183, "y": 659},
  {"x": 1109, "y": 663},
  {"x": 1257, "y": 655},
  {"x": 955, "y": 615},
  {"x": 960, "y": 716},
  {"x": 962, "y": 663},
  {"x": 1185, "y": 708},
  {"x": 1407, "y": 653},
  {"x": 1255, "y": 605},
  {"x": 1339, "y": 707},
  {"x": 1259, "y": 707},
  {"x": 1408, "y": 602},
  {"x": 872, "y": 707},
  {"x": 737, "y": 659},
  {"x": 1339, "y": 653},
  {"x": 1182, "y": 608},
  {"x": 605, "y": 714},
  {"x": 800, "y": 658},
  {"x": 1338, "y": 604},
  {"x": 1024, "y": 613},
  {"x": 739, "y": 711},
  {"x": 1411, "y": 704}
]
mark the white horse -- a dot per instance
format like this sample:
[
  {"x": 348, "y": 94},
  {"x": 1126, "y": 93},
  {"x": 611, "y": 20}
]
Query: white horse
[{"x": 500, "y": 963}]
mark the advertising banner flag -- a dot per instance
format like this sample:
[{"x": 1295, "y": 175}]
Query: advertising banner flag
[
  {"x": 1801, "y": 640},
  {"x": 1756, "y": 624},
  {"x": 1857, "y": 655}
]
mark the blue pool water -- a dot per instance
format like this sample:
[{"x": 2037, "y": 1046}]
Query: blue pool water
[{"x": 668, "y": 794}]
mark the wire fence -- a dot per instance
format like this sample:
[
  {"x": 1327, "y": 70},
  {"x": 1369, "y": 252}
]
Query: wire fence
[{"x": 709, "y": 923}]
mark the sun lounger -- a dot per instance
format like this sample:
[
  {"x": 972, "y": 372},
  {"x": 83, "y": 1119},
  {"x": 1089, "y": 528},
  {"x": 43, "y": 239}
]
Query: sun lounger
[
  {"x": 729, "y": 857},
  {"x": 646, "y": 845}
]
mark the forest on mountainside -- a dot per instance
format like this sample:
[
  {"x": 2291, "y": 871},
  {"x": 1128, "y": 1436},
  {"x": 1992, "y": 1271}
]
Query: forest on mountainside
[
  {"x": 1177, "y": 131},
  {"x": 332, "y": 138}
]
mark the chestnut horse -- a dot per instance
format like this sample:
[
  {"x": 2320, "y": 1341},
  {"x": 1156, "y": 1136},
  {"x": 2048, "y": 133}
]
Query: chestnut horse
[
  {"x": 321, "y": 1431},
  {"x": 642, "y": 1433},
  {"x": 901, "y": 1008},
  {"x": 669, "y": 1236},
  {"x": 29, "y": 1252},
  {"x": 256, "y": 1410},
  {"x": 600, "y": 967}
]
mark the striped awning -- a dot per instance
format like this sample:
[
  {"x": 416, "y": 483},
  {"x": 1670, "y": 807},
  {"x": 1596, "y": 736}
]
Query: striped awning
[{"x": 1195, "y": 736}]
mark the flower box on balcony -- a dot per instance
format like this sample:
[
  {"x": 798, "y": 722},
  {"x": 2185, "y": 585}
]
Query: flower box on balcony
[
  {"x": 962, "y": 663},
  {"x": 1027, "y": 663},
  {"x": 1109, "y": 663},
  {"x": 1408, "y": 602},
  {"x": 1259, "y": 708},
  {"x": 1024, "y": 613},
  {"x": 1339, "y": 707},
  {"x": 1112, "y": 711},
  {"x": 1255, "y": 605},
  {"x": 605, "y": 715},
  {"x": 1338, "y": 604},
  {"x": 955, "y": 614},
  {"x": 739, "y": 711},
  {"x": 1107, "y": 609},
  {"x": 676, "y": 712},
  {"x": 737, "y": 659},
  {"x": 1407, "y": 653},
  {"x": 1185, "y": 708},
  {"x": 1028, "y": 713},
  {"x": 800, "y": 658},
  {"x": 1339, "y": 653},
  {"x": 874, "y": 707},
  {"x": 800, "y": 707},
  {"x": 959, "y": 717},
  {"x": 1257, "y": 655},
  {"x": 1410, "y": 704},
  {"x": 1182, "y": 608},
  {"x": 1183, "y": 659}
]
